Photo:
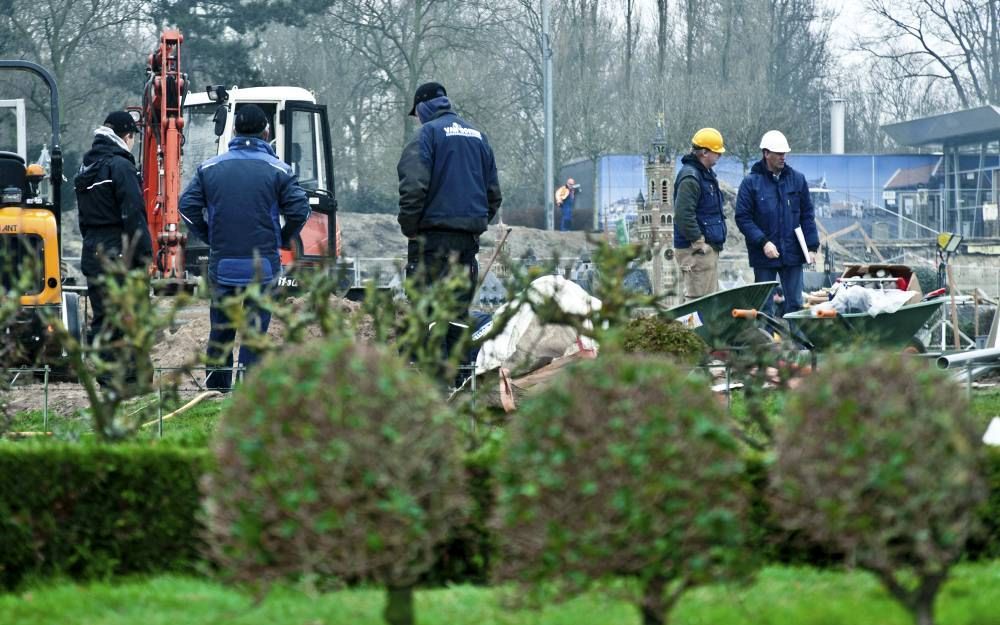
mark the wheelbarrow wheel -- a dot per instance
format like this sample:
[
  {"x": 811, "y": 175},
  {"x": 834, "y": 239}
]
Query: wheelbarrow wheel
[{"x": 915, "y": 346}]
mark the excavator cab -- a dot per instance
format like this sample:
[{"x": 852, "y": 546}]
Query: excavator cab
[{"x": 30, "y": 241}]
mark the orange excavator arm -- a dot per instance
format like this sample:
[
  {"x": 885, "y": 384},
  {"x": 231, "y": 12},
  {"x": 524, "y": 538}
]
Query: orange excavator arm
[{"x": 163, "y": 125}]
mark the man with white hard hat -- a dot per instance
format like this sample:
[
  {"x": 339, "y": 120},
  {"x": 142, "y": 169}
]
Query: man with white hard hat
[{"x": 774, "y": 202}]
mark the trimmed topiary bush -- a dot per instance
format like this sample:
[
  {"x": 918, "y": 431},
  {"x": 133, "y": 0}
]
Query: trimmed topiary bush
[
  {"x": 625, "y": 469},
  {"x": 659, "y": 335},
  {"x": 880, "y": 460},
  {"x": 335, "y": 460}
]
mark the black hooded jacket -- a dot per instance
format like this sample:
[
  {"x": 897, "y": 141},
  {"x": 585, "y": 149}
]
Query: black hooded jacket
[{"x": 111, "y": 208}]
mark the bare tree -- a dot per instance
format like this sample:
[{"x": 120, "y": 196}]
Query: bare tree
[
  {"x": 662, "y": 36},
  {"x": 951, "y": 41},
  {"x": 633, "y": 20},
  {"x": 402, "y": 40}
]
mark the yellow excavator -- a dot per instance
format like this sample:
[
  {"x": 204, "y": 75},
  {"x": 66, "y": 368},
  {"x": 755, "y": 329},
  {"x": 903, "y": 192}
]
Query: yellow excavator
[{"x": 30, "y": 242}]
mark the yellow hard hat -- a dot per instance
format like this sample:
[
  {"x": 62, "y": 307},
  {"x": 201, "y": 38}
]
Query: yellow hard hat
[{"x": 710, "y": 139}]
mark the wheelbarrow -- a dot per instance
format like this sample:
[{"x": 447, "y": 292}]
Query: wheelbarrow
[
  {"x": 711, "y": 317},
  {"x": 829, "y": 330}
]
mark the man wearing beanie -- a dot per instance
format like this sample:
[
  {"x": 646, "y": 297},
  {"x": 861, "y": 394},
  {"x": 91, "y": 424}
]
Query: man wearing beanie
[
  {"x": 234, "y": 203},
  {"x": 112, "y": 221},
  {"x": 448, "y": 191}
]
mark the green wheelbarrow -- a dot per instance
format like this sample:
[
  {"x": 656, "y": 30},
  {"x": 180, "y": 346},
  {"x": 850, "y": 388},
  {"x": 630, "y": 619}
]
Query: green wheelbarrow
[
  {"x": 894, "y": 330},
  {"x": 711, "y": 317}
]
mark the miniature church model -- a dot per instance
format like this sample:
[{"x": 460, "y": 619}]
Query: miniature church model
[{"x": 654, "y": 225}]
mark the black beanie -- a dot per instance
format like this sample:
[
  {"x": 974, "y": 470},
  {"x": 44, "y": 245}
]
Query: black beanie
[
  {"x": 121, "y": 123},
  {"x": 250, "y": 120}
]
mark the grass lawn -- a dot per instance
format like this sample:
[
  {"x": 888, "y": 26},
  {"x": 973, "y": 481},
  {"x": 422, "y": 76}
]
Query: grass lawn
[
  {"x": 780, "y": 596},
  {"x": 195, "y": 426}
]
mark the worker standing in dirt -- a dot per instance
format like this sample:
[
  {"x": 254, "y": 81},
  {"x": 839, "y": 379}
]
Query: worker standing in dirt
[
  {"x": 234, "y": 203},
  {"x": 772, "y": 203},
  {"x": 113, "y": 223},
  {"x": 565, "y": 198},
  {"x": 699, "y": 223},
  {"x": 449, "y": 191}
]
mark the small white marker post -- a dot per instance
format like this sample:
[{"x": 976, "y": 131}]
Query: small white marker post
[{"x": 992, "y": 435}]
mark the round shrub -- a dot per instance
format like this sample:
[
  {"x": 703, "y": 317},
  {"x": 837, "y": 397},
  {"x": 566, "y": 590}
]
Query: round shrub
[
  {"x": 659, "y": 335},
  {"x": 879, "y": 459},
  {"x": 625, "y": 468},
  {"x": 334, "y": 459}
]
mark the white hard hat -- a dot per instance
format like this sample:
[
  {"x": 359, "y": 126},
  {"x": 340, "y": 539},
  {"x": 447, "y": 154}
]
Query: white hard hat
[{"x": 774, "y": 141}]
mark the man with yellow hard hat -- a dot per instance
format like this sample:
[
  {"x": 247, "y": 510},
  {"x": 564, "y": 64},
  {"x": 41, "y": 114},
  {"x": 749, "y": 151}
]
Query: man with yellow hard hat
[{"x": 699, "y": 223}]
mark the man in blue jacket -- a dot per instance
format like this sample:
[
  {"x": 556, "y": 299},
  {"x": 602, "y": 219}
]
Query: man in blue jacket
[
  {"x": 449, "y": 191},
  {"x": 234, "y": 203},
  {"x": 772, "y": 202}
]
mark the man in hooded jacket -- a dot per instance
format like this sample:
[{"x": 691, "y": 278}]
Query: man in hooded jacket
[
  {"x": 112, "y": 216},
  {"x": 449, "y": 191}
]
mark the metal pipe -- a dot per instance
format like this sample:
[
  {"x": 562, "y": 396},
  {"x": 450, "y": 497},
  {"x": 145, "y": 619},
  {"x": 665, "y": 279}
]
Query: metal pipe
[
  {"x": 974, "y": 355},
  {"x": 837, "y": 125}
]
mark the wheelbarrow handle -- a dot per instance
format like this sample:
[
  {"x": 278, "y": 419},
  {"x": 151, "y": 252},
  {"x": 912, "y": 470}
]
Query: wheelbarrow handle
[
  {"x": 744, "y": 313},
  {"x": 824, "y": 313}
]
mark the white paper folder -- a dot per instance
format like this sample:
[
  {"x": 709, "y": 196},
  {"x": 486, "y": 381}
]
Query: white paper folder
[{"x": 802, "y": 243}]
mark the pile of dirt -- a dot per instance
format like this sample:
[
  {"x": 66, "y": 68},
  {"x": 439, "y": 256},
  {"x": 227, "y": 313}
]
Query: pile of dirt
[
  {"x": 367, "y": 235},
  {"x": 63, "y": 399}
]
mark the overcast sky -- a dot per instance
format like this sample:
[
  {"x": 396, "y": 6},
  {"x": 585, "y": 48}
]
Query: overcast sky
[{"x": 850, "y": 21}]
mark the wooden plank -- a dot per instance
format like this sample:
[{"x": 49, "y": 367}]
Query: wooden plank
[
  {"x": 841, "y": 232},
  {"x": 872, "y": 245}
]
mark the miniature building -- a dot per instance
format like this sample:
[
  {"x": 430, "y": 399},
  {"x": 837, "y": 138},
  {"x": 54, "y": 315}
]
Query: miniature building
[{"x": 654, "y": 225}]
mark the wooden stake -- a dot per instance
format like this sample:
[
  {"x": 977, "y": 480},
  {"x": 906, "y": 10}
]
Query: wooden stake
[{"x": 954, "y": 310}]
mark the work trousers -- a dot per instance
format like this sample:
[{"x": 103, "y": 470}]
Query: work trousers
[
  {"x": 566, "y": 217},
  {"x": 108, "y": 333},
  {"x": 430, "y": 258},
  {"x": 223, "y": 334},
  {"x": 791, "y": 286},
  {"x": 699, "y": 271}
]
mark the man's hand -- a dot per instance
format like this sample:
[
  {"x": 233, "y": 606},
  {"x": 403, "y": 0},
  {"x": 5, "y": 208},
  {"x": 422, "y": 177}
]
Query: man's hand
[
  {"x": 771, "y": 250},
  {"x": 812, "y": 258},
  {"x": 700, "y": 247}
]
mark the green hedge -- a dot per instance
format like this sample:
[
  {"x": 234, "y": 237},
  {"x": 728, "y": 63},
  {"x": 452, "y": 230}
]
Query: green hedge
[{"x": 87, "y": 511}]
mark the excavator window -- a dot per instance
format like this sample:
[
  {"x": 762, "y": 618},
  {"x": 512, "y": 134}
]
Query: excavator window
[
  {"x": 22, "y": 255},
  {"x": 303, "y": 154}
]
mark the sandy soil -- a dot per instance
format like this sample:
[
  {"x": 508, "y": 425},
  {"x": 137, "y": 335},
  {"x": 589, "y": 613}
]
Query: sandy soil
[{"x": 175, "y": 349}]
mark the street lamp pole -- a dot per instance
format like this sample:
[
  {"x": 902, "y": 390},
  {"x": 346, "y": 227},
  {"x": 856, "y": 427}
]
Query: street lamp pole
[{"x": 549, "y": 125}]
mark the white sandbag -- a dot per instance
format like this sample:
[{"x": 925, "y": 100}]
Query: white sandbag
[{"x": 526, "y": 344}]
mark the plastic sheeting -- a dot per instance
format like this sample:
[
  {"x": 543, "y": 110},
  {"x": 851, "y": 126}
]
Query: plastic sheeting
[{"x": 858, "y": 299}]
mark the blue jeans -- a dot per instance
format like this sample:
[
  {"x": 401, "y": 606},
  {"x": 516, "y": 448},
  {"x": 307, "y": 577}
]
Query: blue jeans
[
  {"x": 791, "y": 285},
  {"x": 566, "y": 213},
  {"x": 223, "y": 334}
]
